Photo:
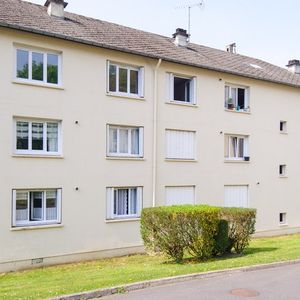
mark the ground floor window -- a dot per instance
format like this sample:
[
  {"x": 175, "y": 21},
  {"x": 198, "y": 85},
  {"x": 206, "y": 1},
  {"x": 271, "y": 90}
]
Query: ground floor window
[
  {"x": 236, "y": 196},
  {"x": 36, "y": 207},
  {"x": 124, "y": 202}
]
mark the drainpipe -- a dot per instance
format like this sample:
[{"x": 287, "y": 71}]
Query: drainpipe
[{"x": 154, "y": 142}]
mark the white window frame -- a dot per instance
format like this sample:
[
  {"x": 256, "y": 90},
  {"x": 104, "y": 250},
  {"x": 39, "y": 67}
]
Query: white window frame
[
  {"x": 170, "y": 89},
  {"x": 180, "y": 187},
  {"x": 129, "y": 154},
  {"x": 181, "y": 158},
  {"x": 246, "y": 100},
  {"x": 283, "y": 125},
  {"x": 141, "y": 75},
  {"x": 28, "y": 222},
  {"x": 284, "y": 218},
  {"x": 30, "y": 50},
  {"x": 110, "y": 192},
  {"x": 238, "y": 185},
  {"x": 43, "y": 152},
  {"x": 246, "y": 147}
]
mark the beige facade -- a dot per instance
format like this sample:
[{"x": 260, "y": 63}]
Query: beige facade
[{"x": 84, "y": 172}]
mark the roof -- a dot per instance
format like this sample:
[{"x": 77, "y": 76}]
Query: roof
[{"x": 34, "y": 18}]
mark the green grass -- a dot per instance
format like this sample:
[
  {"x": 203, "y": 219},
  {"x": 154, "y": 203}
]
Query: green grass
[{"x": 53, "y": 281}]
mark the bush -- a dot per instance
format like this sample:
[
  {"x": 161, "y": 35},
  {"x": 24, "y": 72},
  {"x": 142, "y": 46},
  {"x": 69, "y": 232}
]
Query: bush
[
  {"x": 241, "y": 224},
  {"x": 221, "y": 238},
  {"x": 203, "y": 231},
  {"x": 174, "y": 229}
]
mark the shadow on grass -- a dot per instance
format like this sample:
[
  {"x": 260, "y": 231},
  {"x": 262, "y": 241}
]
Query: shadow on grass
[{"x": 248, "y": 252}]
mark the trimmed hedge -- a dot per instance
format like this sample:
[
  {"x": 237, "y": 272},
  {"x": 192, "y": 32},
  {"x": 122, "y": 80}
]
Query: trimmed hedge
[{"x": 201, "y": 230}]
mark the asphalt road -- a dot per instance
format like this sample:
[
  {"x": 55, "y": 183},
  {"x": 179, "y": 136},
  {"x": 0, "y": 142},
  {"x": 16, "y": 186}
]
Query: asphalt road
[{"x": 282, "y": 283}]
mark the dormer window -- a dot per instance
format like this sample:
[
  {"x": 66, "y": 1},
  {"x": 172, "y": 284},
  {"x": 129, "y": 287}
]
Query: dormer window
[{"x": 237, "y": 98}]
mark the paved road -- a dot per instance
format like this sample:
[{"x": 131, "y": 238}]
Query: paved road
[{"x": 282, "y": 283}]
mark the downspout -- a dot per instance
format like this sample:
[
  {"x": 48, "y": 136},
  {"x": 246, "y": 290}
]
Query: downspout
[{"x": 154, "y": 142}]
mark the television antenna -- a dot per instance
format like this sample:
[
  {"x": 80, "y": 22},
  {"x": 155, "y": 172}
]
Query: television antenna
[{"x": 199, "y": 4}]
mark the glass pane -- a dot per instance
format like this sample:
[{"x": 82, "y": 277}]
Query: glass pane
[
  {"x": 241, "y": 147},
  {"x": 133, "y": 201},
  {"x": 37, "y": 136},
  {"x": 123, "y": 80},
  {"x": 233, "y": 146},
  {"x": 134, "y": 82},
  {"x": 36, "y": 199},
  {"x": 22, "y": 135},
  {"x": 112, "y": 78},
  {"x": 123, "y": 140},
  {"x": 22, "y": 63},
  {"x": 241, "y": 98},
  {"x": 234, "y": 96},
  {"x": 21, "y": 206},
  {"x": 135, "y": 141},
  {"x": 37, "y": 66},
  {"x": 52, "y": 68},
  {"x": 182, "y": 89},
  {"x": 113, "y": 139},
  {"x": 52, "y": 137},
  {"x": 51, "y": 205},
  {"x": 122, "y": 202}
]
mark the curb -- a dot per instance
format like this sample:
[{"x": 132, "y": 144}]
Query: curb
[{"x": 167, "y": 280}]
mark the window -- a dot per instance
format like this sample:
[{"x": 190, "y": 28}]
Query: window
[
  {"x": 179, "y": 195},
  {"x": 181, "y": 89},
  {"x": 124, "y": 79},
  {"x": 36, "y": 207},
  {"x": 37, "y": 66},
  {"x": 237, "y": 98},
  {"x": 125, "y": 141},
  {"x": 236, "y": 196},
  {"x": 37, "y": 137},
  {"x": 236, "y": 147},
  {"x": 283, "y": 127},
  {"x": 124, "y": 202},
  {"x": 282, "y": 218},
  {"x": 180, "y": 144},
  {"x": 282, "y": 170}
]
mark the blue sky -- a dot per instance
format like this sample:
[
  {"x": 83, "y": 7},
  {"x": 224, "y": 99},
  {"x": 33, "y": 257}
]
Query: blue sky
[{"x": 265, "y": 29}]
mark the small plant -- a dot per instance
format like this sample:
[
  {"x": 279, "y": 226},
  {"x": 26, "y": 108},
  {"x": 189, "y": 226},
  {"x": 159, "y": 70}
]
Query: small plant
[{"x": 230, "y": 104}]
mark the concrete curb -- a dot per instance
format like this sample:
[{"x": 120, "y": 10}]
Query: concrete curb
[{"x": 163, "y": 281}]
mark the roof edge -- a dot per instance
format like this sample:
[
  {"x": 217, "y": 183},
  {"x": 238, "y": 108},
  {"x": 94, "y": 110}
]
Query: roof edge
[{"x": 99, "y": 45}]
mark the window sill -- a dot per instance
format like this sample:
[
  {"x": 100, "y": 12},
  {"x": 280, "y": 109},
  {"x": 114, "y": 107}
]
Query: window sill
[
  {"x": 282, "y": 132},
  {"x": 283, "y": 225},
  {"x": 179, "y": 103},
  {"x": 38, "y": 156},
  {"x": 125, "y": 158},
  {"x": 32, "y": 227},
  {"x": 238, "y": 111},
  {"x": 180, "y": 160},
  {"x": 39, "y": 84},
  {"x": 236, "y": 161},
  {"x": 126, "y": 96},
  {"x": 122, "y": 220},
  {"x": 283, "y": 176}
]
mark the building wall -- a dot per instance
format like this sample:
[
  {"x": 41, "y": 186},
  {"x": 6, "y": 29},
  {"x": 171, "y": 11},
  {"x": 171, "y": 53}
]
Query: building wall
[{"x": 84, "y": 232}]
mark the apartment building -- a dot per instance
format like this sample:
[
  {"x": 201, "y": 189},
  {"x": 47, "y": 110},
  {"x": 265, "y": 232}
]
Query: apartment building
[{"x": 100, "y": 120}]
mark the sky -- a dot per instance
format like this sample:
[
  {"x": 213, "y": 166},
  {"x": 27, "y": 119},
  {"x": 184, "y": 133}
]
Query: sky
[{"x": 265, "y": 29}]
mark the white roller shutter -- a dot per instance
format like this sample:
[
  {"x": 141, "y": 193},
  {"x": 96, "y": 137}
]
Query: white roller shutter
[
  {"x": 236, "y": 196},
  {"x": 178, "y": 195}
]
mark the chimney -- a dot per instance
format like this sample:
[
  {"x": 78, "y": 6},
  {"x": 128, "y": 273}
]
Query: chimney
[
  {"x": 231, "y": 48},
  {"x": 181, "y": 38},
  {"x": 56, "y": 8},
  {"x": 294, "y": 66}
]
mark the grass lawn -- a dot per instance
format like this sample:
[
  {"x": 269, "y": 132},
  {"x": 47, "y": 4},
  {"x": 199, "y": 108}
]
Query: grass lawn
[{"x": 72, "y": 278}]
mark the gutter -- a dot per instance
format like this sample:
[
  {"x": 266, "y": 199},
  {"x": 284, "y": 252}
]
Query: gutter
[
  {"x": 105, "y": 46},
  {"x": 154, "y": 141}
]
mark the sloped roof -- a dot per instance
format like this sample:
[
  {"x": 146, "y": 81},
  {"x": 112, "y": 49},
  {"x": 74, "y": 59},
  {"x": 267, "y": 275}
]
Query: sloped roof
[{"x": 30, "y": 17}]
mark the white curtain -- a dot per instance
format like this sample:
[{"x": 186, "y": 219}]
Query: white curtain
[
  {"x": 135, "y": 141},
  {"x": 123, "y": 140},
  {"x": 52, "y": 137}
]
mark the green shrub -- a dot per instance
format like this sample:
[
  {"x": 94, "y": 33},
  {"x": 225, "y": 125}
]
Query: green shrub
[
  {"x": 221, "y": 238},
  {"x": 241, "y": 224},
  {"x": 174, "y": 229}
]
